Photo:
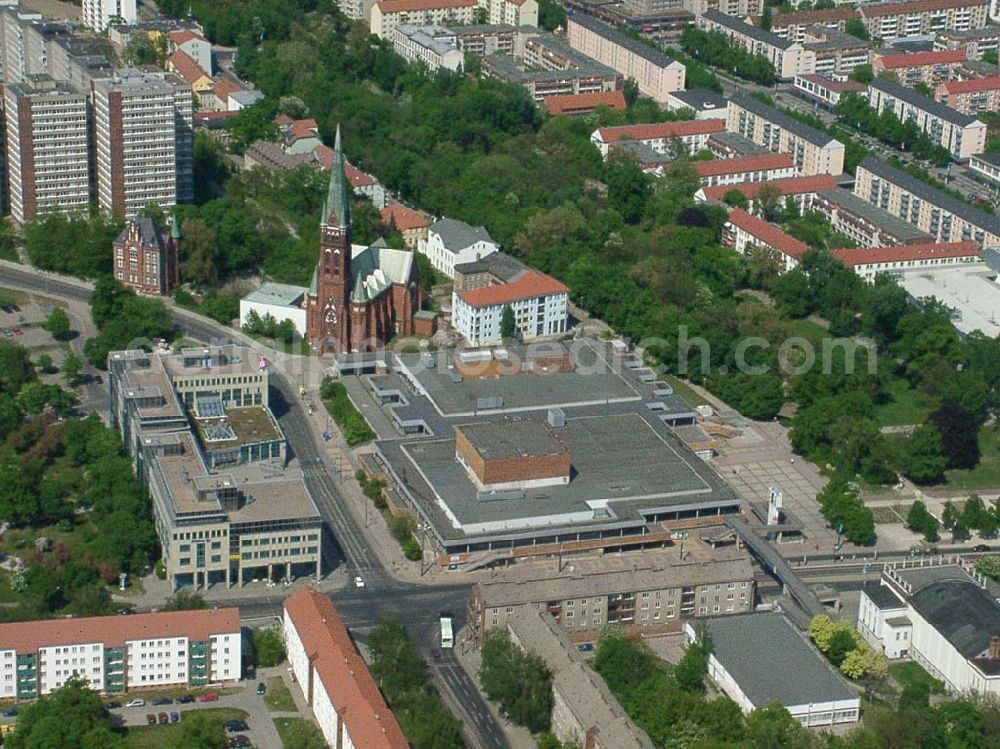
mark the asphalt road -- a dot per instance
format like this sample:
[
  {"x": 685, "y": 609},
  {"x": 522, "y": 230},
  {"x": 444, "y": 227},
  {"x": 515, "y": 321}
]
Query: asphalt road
[{"x": 417, "y": 606}]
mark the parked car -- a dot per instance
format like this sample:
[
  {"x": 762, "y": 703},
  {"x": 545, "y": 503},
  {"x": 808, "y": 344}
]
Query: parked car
[
  {"x": 15, "y": 308},
  {"x": 586, "y": 647},
  {"x": 235, "y": 726},
  {"x": 150, "y": 719},
  {"x": 982, "y": 547},
  {"x": 98, "y": 379},
  {"x": 7, "y": 308},
  {"x": 187, "y": 699},
  {"x": 17, "y": 331},
  {"x": 209, "y": 697},
  {"x": 8, "y": 334},
  {"x": 109, "y": 705},
  {"x": 359, "y": 582},
  {"x": 164, "y": 719},
  {"x": 261, "y": 688},
  {"x": 136, "y": 703},
  {"x": 162, "y": 701},
  {"x": 10, "y": 712},
  {"x": 239, "y": 740},
  {"x": 175, "y": 717},
  {"x": 436, "y": 651}
]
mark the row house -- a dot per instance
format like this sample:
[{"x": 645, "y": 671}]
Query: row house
[
  {"x": 929, "y": 68},
  {"x": 868, "y": 263},
  {"x": 813, "y": 152},
  {"x": 900, "y": 20},
  {"x": 802, "y": 191},
  {"x": 797, "y": 25},
  {"x": 962, "y": 135},
  {"x": 659, "y": 136},
  {"x": 837, "y": 53},
  {"x": 824, "y": 90},
  {"x": 975, "y": 42},
  {"x": 867, "y": 225},
  {"x": 940, "y": 215},
  {"x": 388, "y": 14},
  {"x": 758, "y": 168},
  {"x": 744, "y": 232},
  {"x": 972, "y": 96}
]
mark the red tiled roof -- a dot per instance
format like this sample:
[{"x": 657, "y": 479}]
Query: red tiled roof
[
  {"x": 186, "y": 67},
  {"x": 905, "y": 252},
  {"x": 531, "y": 283},
  {"x": 788, "y": 186},
  {"x": 184, "y": 35},
  {"x": 404, "y": 218},
  {"x": 989, "y": 83},
  {"x": 115, "y": 631},
  {"x": 297, "y": 129},
  {"x": 813, "y": 16},
  {"x": 754, "y": 163},
  {"x": 224, "y": 87},
  {"x": 356, "y": 177},
  {"x": 570, "y": 103},
  {"x": 654, "y": 130},
  {"x": 915, "y": 6},
  {"x": 323, "y": 156},
  {"x": 343, "y": 674},
  {"x": 767, "y": 233},
  {"x": 407, "y": 6},
  {"x": 919, "y": 59}
]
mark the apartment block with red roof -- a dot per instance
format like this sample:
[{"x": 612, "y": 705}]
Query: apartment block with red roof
[
  {"x": 744, "y": 231},
  {"x": 930, "y": 68},
  {"x": 334, "y": 678},
  {"x": 971, "y": 96},
  {"x": 116, "y": 654},
  {"x": 388, "y": 14},
  {"x": 764, "y": 167},
  {"x": 539, "y": 303},
  {"x": 868, "y": 263},
  {"x": 803, "y": 190},
  {"x": 658, "y": 135}
]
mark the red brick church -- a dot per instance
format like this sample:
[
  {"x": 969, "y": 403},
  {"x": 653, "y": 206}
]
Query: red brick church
[{"x": 360, "y": 297}]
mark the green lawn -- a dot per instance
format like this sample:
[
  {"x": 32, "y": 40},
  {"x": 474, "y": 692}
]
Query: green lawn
[
  {"x": 278, "y": 699},
  {"x": 157, "y": 737},
  {"x": 811, "y": 332},
  {"x": 986, "y": 475},
  {"x": 682, "y": 389},
  {"x": 299, "y": 732},
  {"x": 905, "y": 406},
  {"x": 909, "y": 672}
]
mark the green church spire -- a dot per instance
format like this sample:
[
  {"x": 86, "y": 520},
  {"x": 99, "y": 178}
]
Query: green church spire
[{"x": 337, "y": 210}]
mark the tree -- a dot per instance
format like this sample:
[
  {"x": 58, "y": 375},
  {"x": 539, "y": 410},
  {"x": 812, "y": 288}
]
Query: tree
[
  {"x": 57, "y": 323},
  {"x": 198, "y": 731},
  {"x": 518, "y": 680},
  {"x": 199, "y": 248},
  {"x": 923, "y": 462},
  {"x": 71, "y": 369},
  {"x": 959, "y": 430},
  {"x": 184, "y": 600},
  {"x": 773, "y": 727},
  {"x": 692, "y": 668},
  {"x": 44, "y": 363},
  {"x": 919, "y": 520},
  {"x": 508, "y": 325},
  {"x": 630, "y": 90},
  {"x": 301, "y": 734},
  {"x": 628, "y": 186},
  {"x": 989, "y": 566},
  {"x": 71, "y": 717},
  {"x": 864, "y": 662},
  {"x": 268, "y": 646},
  {"x": 736, "y": 199},
  {"x": 856, "y": 28},
  {"x": 949, "y": 515}
]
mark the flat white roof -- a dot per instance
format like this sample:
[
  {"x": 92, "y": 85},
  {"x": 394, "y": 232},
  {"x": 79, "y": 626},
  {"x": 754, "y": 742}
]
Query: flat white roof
[{"x": 971, "y": 290}]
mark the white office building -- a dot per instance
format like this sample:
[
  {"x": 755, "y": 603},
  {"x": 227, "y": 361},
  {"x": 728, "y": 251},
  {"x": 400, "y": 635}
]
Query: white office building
[{"x": 435, "y": 46}]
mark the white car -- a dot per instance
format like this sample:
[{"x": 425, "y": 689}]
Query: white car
[
  {"x": 136, "y": 703},
  {"x": 359, "y": 581}
]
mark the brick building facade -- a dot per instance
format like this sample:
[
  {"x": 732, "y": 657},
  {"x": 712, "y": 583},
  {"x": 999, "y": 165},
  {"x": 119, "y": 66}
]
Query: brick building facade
[{"x": 146, "y": 259}]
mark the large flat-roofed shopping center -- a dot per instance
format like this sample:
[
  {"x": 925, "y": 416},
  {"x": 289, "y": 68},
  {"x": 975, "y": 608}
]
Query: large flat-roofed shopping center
[
  {"x": 495, "y": 449},
  {"x": 226, "y": 507}
]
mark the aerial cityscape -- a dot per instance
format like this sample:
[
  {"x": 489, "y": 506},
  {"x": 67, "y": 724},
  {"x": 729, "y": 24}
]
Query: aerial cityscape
[{"x": 500, "y": 374}]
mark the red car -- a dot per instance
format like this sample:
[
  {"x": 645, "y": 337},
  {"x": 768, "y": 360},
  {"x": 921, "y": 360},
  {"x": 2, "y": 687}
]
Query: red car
[
  {"x": 17, "y": 331},
  {"x": 209, "y": 697}
]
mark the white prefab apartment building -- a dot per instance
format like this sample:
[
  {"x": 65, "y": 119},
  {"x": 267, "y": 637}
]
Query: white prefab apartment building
[
  {"x": 450, "y": 243},
  {"x": 116, "y": 654},
  {"x": 47, "y": 150},
  {"x": 99, "y": 14},
  {"x": 539, "y": 303},
  {"x": 760, "y": 658},
  {"x": 941, "y": 614},
  {"x": 388, "y": 14},
  {"x": 334, "y": 678}
]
